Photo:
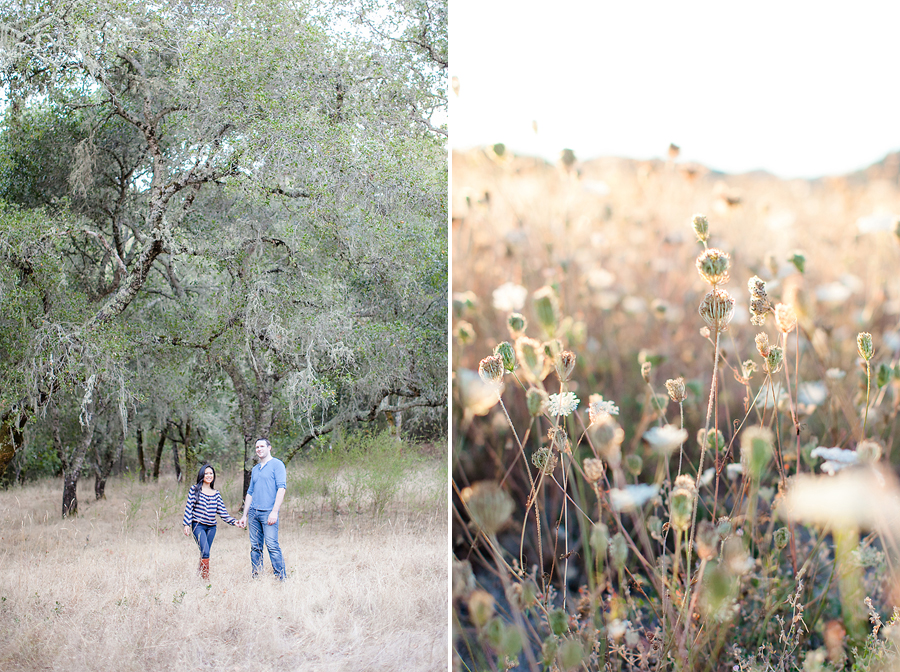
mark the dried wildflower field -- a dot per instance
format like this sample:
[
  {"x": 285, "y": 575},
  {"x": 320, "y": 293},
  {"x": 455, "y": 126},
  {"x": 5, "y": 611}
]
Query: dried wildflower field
[
  {"x": 674, "y": 440},
  {"x": 117, "y": 589}
]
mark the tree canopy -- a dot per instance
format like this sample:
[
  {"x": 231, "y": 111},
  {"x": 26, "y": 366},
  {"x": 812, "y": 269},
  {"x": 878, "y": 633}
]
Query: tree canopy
[{"x": 214, "y": 205}]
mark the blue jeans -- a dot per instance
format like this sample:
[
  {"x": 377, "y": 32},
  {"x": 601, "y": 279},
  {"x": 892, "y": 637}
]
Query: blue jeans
[
  {"x": 261, "y": 531},
  {"x": 204, "y": 534}
]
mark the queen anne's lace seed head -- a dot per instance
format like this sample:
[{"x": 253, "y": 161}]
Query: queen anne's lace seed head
[
  {"x": 545, "y": 460},
  {"x": 713, "y": 265},
  {"x": 676, "y": 389},
  {"x": 762, "y": 344},
  {"x": 508, "y": 353},
  {"x": 717, "y": 309},
  {"x": 774, "y": 359},
  {"x": 491, "y": 369},
  {"x": 490, "y": 507},
  {"x": 600, "y": 409},
  {"x": 594, "y": 470},
  {"x": 516, "y": 323},
  {"x": 565, "y": 364}
]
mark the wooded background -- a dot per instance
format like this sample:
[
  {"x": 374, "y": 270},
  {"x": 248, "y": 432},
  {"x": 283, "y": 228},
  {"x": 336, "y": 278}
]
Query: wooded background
[{"x": 218, "y": 221}]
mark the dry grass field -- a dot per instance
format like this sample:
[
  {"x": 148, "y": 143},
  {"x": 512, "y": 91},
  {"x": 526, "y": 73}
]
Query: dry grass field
[
  {"x": 116, "y": 588},
  {"x": 573, "y": 564}
]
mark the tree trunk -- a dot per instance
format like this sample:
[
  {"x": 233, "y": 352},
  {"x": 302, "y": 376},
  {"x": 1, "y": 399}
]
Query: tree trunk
[
  {"x": 190, "y": 453},
  {"x": 159, "y": 451},
  {"x": 140, "y": 452},
  {"x": 175, "y": 459},
  {"x": 11, "y": 425},
  {"x": 106, "y": 463},
  {"x": 73, "y": 462}
]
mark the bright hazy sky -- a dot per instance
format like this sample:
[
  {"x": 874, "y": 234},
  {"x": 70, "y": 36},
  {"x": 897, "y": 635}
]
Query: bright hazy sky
[{"x": 801, "y": 89}]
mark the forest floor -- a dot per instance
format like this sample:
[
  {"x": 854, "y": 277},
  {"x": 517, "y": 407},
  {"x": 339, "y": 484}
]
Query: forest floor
[{"x": 116, "y": 588}]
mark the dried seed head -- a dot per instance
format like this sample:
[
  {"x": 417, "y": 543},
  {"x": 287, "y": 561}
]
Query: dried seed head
[
  {"x": 565, "y": 364},
  {"x": 559, "y": 439},
  {"x": 681, "y": 504},
  {"x": 537, "y": 401},
  {"x": 593, "y": 470},
  {"x": 701, "y": 227},
  {"x": 675, "y": 388},
  {"x": 717, "y": 309},
  {"x": 490, "y": 507},
  {"x": 785, "y": 318},
  {"x": 516, "y": 323},
  {"x": 508, "y": 353},
  {"x": 530, "y": 355},
  {"x": 491, "y": 369},
  {"x": 757, "y": 287},
  {"x": 546, "y": 307},
  {"x": 707, "y": 540},
  {"x": 748, "y": 368},
  {"x": 774, "y": 359},
  {"x": 545, "y": 460},
  {"x": 869, "y": 451},
  {"x": 646, "y": 367},
  {"x": 864, "y": 345},
  {"x": 762, "y": 344},
  {"x": 713, "y": 265}
]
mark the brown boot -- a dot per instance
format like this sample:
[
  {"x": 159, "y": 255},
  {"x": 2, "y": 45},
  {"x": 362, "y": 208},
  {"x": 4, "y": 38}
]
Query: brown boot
[{"x": 204, "y": 569}]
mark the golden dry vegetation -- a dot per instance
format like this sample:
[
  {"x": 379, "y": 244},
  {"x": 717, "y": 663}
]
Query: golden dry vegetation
[
  {"x": 613, "y": 240},
  {"x": 116, "y": 588}
]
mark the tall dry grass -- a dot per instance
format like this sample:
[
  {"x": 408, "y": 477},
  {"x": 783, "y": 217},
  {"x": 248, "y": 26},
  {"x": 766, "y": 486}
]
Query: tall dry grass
[
  {"x": 567, "y": 562},
  {"x": 117, "y": 587}
]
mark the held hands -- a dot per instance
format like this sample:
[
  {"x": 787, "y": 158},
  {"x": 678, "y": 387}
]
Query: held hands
[{"x": 242, "y": 523}]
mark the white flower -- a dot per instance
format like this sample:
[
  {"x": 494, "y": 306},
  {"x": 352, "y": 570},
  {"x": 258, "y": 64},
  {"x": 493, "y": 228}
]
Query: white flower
[
  {"x": 510, "y": 297},
  {"x": 562, "y": 404},
  {"x": 707, "y": 477},
  {"x": 733, "y": 470},
  {"x": 835, "y": 374},
  {"x": 599, "y": 408},
  {"x": 665, "y": 439},
  {"x": 632, "y": 497},
  {"x": 835, "y": 458}
]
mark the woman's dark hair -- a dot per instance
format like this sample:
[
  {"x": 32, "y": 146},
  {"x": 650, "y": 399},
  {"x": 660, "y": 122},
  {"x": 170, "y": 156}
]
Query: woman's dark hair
[{"x": 200, "y": 474}]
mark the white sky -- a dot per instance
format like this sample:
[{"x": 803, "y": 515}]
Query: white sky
[{"x": 801, "y": 89}]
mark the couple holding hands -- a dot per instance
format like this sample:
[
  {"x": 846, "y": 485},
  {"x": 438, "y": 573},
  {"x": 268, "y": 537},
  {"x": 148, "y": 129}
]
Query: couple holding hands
[{"x": 268, "y": 482}]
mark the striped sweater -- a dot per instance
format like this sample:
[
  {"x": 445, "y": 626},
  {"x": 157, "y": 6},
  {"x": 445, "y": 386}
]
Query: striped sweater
[{"x": 203, "y": 508}]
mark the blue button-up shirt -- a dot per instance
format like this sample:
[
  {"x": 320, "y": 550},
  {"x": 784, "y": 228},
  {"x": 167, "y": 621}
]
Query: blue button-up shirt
[{"x": 265, "y": 480}]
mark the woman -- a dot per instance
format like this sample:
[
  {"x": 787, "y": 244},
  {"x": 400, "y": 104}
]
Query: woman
[{"x": 203, "y": 503}]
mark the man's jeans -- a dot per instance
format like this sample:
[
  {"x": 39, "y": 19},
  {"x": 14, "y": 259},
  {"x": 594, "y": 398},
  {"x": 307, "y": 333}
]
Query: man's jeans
[
  {"x": 204, "y": 534},
  {"x": 260, "y": 530}
]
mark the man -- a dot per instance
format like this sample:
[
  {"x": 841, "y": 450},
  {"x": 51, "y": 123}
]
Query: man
[{"x": 268, "y": 482}]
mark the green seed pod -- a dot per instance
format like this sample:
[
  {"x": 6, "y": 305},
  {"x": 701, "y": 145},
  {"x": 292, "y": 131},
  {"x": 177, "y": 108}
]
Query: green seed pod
[
  {"x": 516, "y": 323},
  {"x": 757, "y": 447},
  {"x": 634, "y": 464},
  {"x": 558, "y": 620},
  {"x": 546, "y": 307},
  {"x": 508, "y": 353},
  {"x": 781, "y": 537},
  {"x": 510, "y": 642},
  {"x": 464, "y": 332},
  {"x": 798, "y": 259},
  {"x": 600, "y": 539},
  {"x": 571, "y": 654},
  {"x": 701, "y": 227},
  {"x": 883, "y": 375},
  {"x": 618, "y": 551},
  {"x": 549, "y": 649},
  {"x": 681, "y": 503},
  {"x": 774, "y": 359},
  {"x": 864, "y": 345},
  {"x": 536, "y": 400}
]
